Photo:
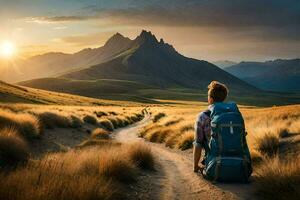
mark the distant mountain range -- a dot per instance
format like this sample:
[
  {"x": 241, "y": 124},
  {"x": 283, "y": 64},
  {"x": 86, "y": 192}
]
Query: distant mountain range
[
  {"x": 278, "y": 75},
  {"x": 136, "y": 67},
  {"x": 224, "y": 63}
]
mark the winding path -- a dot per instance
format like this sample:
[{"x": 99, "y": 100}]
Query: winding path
[{"x": 174, "y": 178}]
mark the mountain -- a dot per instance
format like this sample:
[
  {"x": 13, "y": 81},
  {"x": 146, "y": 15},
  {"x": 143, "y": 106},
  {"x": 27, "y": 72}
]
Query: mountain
[
  {"x": 224, "y": 63},
  {"x": 144, "y": 70},
  {"x": 54, "y": 63},
  {"x": 157, "y": 63},
  {"x": 278, "y": 75}
]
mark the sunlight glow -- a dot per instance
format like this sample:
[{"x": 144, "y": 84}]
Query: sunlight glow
[{"x": 7, "y": 49}]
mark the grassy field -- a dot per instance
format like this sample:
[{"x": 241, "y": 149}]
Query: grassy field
[
  {"x": 95, "y": 168},
  {"x": 273, "y": 139},
  {"x": 121, "y": 90},
  {"x": 40, "y": 142}
]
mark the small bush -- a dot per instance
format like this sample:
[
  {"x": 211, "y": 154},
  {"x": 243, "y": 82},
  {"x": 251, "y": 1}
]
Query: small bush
[
  {"x": 158, "y": 116},
  {"x": 90, "y": 119},
  {"x": 114, "y": 121},
  {"x": 186, "y": 141},
  {"x": 268, "y": 145},
  {"x": 107, "y": 124},
  {"x": 100, "y": 114},
  {"x": 51, "y": 120},
  {"x": 100, "y": 133},
  {"x": 13, "y": 149},
  {"x": 141, "y": 156},
  {"x": 76, "y": 122}
]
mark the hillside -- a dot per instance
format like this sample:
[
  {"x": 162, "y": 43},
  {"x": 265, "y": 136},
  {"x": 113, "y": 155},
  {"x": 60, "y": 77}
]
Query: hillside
[
  {"x": 277, "y": 75},
  {"x": 10, "y": 93},
  {"x": 54, "y": 63}
]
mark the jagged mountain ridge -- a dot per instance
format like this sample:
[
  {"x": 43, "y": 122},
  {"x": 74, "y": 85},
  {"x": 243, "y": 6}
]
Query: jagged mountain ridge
[{"x": 157, "y": 63}]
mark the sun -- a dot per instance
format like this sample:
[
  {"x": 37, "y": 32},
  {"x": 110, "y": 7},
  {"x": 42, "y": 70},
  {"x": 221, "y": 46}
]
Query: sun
[{"x": 7, "y": 49}]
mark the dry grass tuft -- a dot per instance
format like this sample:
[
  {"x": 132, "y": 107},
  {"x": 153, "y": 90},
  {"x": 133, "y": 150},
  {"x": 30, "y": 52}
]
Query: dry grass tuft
[
  {"x": 90, "y": 119},
  {"x": 141, "y": 156},
  {"x": 158, "y": 116},
  {"x": 13, "y": 149},
  {"x": 51, "y": 120},
  {"x": 268, "y": 144},
  {"x": 115, "y": 166},
  {"x": 83, "y": 174},
  {"x": 107, "y": 124},
  {"x": 27, "y": 125},
  {"x": 100, "y": 133},
  {"x": 186, "y": 141},
  {"x": 279, "y": 180}
]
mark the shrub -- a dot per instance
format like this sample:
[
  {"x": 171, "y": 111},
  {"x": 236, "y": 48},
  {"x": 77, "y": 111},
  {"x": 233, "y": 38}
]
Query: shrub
[
  {"x": 100, "y": 114},
  {"x": 90, "y": 119},
  {"x": 13, "y": 149},
  {"x": 100, "y": 133},
  {"x": 27, "y": 125},
  {"x": 51, "y": 120},
  {"x": 158, "y": 116},
  {"x": 141, "y": 156},
  {"x": 107, "y": 124},
  {"x": 268, "y": 144},
  {"x": 114, "y": 122},
  {"x": 186, "y": 141},
  {"x": 76, "y": 122},
  {"x": 278, "y": 179}
]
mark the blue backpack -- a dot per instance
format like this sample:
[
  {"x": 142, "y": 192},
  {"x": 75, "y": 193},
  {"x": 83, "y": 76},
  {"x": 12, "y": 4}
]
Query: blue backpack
[{"x": 228, "y": 158}]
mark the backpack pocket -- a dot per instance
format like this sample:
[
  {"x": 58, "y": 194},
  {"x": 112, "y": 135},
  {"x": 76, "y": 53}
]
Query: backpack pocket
[{"x": 228, "y": 169}]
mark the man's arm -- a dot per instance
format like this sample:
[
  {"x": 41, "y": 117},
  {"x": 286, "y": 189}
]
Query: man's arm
[{"x": 198, "y": 139}]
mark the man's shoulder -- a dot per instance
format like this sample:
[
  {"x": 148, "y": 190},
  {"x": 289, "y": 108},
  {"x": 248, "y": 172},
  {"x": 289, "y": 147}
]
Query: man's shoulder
[{"x": 204, "y": 115}]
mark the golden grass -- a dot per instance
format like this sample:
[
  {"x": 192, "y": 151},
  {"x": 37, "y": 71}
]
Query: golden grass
[
  {"x": 277, "y": 179},
  {"x": 27, "y": 125},
  {"x": 267, "y": 128},
  {"x": 91, "y": 173},
  {"x": 141, "y": 155},
  {"x": 100, "y": 133},
  {"x": 13, "y": 149}
]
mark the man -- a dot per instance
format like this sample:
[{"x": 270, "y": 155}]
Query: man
[{"x": 217, "y": 92}]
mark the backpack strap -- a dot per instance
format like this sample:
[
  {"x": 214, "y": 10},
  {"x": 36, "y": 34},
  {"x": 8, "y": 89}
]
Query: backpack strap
[{"x": 207, "y": 113}]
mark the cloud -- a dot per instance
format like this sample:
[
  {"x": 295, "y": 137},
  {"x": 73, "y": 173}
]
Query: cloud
[{"x": 270, "y": 19}]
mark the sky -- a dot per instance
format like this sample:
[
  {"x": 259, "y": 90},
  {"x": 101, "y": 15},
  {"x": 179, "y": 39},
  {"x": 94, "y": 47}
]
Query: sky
[{"x": 212, "y": 30}]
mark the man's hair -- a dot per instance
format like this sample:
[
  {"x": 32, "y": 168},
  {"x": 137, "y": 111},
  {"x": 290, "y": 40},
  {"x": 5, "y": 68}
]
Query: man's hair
[{"x": 217, "y": 91}]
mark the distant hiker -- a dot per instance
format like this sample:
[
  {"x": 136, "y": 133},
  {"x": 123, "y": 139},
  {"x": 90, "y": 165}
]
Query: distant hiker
[{"x": 221, "y": 132}]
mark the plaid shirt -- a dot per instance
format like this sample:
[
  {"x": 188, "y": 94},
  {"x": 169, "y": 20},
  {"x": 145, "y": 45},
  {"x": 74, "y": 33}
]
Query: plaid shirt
[{"x": 202, "y": 129}]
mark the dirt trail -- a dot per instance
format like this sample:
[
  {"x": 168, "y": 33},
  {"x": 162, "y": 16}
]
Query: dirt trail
[{"x": 174, "y": 178}]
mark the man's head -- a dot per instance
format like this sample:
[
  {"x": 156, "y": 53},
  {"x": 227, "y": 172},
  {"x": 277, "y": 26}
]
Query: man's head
[{"x": 217, "y": 92}]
